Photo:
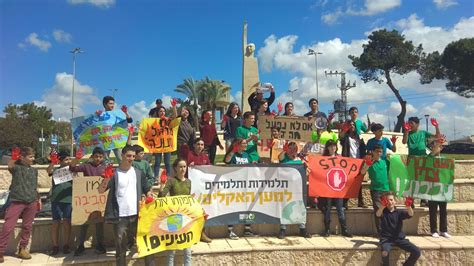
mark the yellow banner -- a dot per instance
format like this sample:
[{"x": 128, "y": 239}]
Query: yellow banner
[
  {"x": 169, "y": 223},
  {"x": 159, "y": 135}
]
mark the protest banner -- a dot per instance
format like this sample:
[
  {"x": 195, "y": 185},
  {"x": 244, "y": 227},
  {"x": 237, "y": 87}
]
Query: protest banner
[
  {"x": 108, "y": 131},
  {"x": 88, "y": 205},
  {"x": 159, "y": 135},
  {"x": 169, "y": 223},
  {"x": 62, "y": 175},
  {"x": 297, "y": 128},
  {"x": 423, "y": 177},
  {"x": 334, "y": 177},
  {"x": 247, "y": 194}
]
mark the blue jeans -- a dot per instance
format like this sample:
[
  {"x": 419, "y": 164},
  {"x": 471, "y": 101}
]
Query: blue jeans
[
  {"x": 117, "y": 153},
  {"x": 339, "y": 208},
  {"x": 186, "y": 257},
  {"x": 156, "y": 167}
]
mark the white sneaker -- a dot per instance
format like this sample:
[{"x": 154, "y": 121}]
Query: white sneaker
[
  {"x": 445, "y": 234},
  {"x": 435, "y": 235},
  {"x": 233, "y": 236}
]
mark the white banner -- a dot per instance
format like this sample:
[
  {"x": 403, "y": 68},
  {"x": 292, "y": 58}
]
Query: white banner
[
  {"x": 62, "y": 175},
  {"x": 251, "y": 193}
]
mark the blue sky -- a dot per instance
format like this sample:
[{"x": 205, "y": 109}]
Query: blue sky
[{"x": 145, "y": 48}]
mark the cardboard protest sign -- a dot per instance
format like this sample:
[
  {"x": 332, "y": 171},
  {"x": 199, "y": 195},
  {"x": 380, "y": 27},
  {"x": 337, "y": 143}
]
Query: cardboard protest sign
[
  {"x": 108, "y": 131},
  {"x": 88, "y": 205},
  {"x": 334, "y": 177},
  {"x": 296, "y": 128},
  {"x": 62, "y": 175},
  {"x": 169, "y": 223},
  {"x": 159, "y": 135},
  {"x": 249, "y": 194},
  {"x": 423, "y": 177}
]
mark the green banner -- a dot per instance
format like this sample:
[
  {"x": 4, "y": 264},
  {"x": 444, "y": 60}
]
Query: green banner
[{"x": 423, "y": 177}]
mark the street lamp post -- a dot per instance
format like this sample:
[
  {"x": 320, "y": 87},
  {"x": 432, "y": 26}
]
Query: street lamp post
[
  {"x": 315, "y": 53},
  {"x": 426, "y": 118},
  {"x": 74, "y": 52}
]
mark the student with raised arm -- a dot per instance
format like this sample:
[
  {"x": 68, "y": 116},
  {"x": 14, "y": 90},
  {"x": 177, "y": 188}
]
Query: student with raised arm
[
  {"x": 109, "y": 104},
  {"x": 24, "y": 200},
  {"x": 94, "y": 167},
  {"x": 379, "y": 139},
  {"x": 257, "y": 96},
  {"x": 289, "y": 155},
  {"x": 391, "y": 229},
  {"x": 359, "y": 125},
  {"x": 158, "y": 156},
  {"x": 127, "y": 188},
  {"x": 61, "y": 203}
]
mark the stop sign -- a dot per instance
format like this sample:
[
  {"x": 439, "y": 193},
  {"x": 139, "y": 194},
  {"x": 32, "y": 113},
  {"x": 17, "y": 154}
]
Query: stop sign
[{"x": 336, "y": 179}]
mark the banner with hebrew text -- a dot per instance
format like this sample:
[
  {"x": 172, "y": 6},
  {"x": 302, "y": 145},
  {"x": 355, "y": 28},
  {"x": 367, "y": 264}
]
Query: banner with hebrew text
[
  {"x": 158, "y": 135},
  {"x": 88, "y": 205},
  {"x": 108, "y": 131},
  {"x": 334, "y": 177},
  {"x": 246, "y": 194},
  {"x": 423, "y": 177},
  {"x": 169, "y": 223}
]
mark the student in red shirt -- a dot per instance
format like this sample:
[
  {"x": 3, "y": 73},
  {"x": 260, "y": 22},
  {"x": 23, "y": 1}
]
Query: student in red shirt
[
  {"x": 209, "y": 135},
  {"x": 197, "y": 155}
]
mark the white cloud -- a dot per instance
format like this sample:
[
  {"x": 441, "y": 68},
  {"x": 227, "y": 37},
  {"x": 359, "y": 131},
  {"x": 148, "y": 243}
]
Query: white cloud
[
  {"x": 62, "y": 36},
  {"x": 98, "y": 3},
  {"x": 443, "y": 4},
  {"x": 139, "y": 110},
  {"x": 34, "y": 40},
  {"x": 58, "y": 97},
  {"x": 237, "y": 97},
  {"x": 371, "y": 8}
]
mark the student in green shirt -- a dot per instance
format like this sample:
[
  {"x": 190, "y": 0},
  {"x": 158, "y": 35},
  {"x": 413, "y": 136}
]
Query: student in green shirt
[
  {"x": 378, "y": 174},
  {"x": 359, "y": 125},
  {"x": 250, "y": 135},
  {"x": 143, "y": 165},
  {"x": 237, "y": 153},
  {"x": 61, "y": 207}
]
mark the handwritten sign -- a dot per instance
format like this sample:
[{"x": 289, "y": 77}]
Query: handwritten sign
[
  {"x": 88, "y": 205},
  {"x": 247, "y": 194},
  {"x": 423, "y": 177},
  {"x": 159, "y": 135},
  {"x": 169, "y": 223},
  {"x": 297, "y": 128},
  {"x": 62, "y": 175},
  {"x": 334, "y": 177},
  {"x": 107, "y": 130}
]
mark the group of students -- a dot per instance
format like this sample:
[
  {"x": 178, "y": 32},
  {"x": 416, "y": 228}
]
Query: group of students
[{"x": 131, "y": 182}]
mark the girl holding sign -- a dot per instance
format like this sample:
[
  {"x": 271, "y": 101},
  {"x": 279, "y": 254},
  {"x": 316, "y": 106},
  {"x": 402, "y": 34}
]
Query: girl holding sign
[
  {"x": 61, "y": 197},
  {"x": 158, "y": 156}
]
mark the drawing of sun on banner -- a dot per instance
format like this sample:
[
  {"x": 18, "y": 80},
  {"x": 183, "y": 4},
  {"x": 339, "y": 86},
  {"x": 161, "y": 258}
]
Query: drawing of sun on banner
[
  {"x": 158, "y": 135},
  {"x": 169, "y": 223},
  {"x": 334, "y": 177},
  {"x": 251, "y": 194},
  {"x": 423, "y": 177},
  {"x": 107, "y": 130}
]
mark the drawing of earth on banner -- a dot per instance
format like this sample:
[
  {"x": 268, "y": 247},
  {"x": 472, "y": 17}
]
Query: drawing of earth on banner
[
  {"x": 169, "y": 223},
  {"x": 293, "y": 212}
]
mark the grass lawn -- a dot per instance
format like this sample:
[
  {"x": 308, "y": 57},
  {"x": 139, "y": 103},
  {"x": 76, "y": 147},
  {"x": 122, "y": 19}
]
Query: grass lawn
[{"x": 459, "y": 156}]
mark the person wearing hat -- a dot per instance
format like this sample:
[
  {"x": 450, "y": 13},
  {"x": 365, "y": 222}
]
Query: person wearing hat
[
  {"x": 379, "y": 139},
  {"x": 61, "y": 203},
  {"x": 257, "y": 96}
]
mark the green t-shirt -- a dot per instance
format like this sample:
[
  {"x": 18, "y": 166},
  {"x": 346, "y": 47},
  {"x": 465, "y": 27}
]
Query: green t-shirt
[
  {"x": 240, "y": 158},
  {"x": 244, "y": 133},
  {"x": 325, "y": 136},
  {"x": 176, "y": 187},
  {"x": 287, "y": 160},
  {"x": 360, "y": 126},
  {"x": 62, "y": 192},
  {"x": 145, "y": 168},
  {"x": 378, "y": 174},
  {"x": 417, "y": 142}
]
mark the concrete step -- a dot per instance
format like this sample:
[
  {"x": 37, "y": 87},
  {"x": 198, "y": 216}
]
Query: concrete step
[
  {"x": 463, "y": 192},
  {"x": 359, "y": 221},
  {"x": 334, "y": 250}
]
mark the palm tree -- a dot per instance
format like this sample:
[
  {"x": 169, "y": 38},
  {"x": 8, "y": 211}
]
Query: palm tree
[
  {"x": 213, "y": 92},
  {"x": 192, "y": 89}
]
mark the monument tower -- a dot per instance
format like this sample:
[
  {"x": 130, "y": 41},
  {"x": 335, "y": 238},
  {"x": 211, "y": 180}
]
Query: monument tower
[{"x": 250, "y": 80}]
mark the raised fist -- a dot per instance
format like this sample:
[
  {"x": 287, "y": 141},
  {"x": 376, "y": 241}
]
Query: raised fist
[
  {"x": 79, "y": 154},
  {"x": 434, "y": 122},
  {"x": 285, "y": 146},
  {"x": 280, "y": 107},
  {"x": 368, "y": 160},
  {"x": 384, "y": 201},
  {"x": 393, "y": 139},
  {"x": 408, "y": 202},
  {"x": 15, "y": 153},
  {"x": 108, "y": 172},
  {"x": 174, "y": 102},
  {"x": 124, "y": 108},
  {"x": 54, "y": 158},
  {"x": 407, "y": 126},
  {"x": 235, "y": 148},
  {"x": 163, "y": 177}
]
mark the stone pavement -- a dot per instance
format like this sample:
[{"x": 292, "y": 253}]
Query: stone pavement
[{"x": 334, "y": 250}]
